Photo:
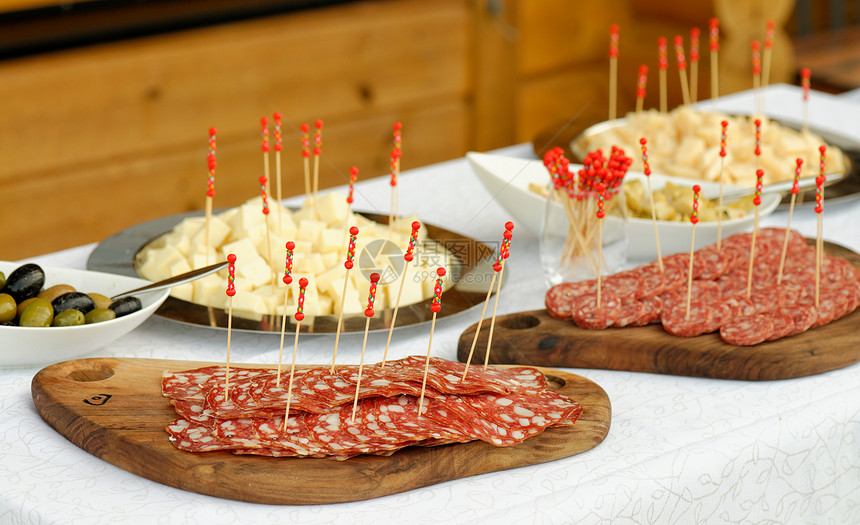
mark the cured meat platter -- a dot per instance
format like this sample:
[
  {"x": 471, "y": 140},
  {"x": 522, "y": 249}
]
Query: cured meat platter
[
  {"x": 536, "y": 338},
  {"x": 113, "y": 409}
]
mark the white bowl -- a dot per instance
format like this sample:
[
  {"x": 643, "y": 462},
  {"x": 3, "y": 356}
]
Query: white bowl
[
  {"x": 508, "y": 179},
  {"x": 22, "y": 346}
]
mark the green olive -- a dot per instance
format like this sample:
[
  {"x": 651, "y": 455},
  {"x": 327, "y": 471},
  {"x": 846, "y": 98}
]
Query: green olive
[
  {"x": 38, "y": 313},
  {"x": 8, "y": 308},
  {"x": 99, "y": 315},
  {"x": 100, "y": 300},
  {"x": 2, "y": 280},
  {"x": 23, "y": 305},
  {"x": 70, "y": 317},
  {"x": 55, "y": 291}
]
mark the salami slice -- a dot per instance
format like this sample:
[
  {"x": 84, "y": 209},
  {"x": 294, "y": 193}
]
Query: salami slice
[
  {"x": 587, "y": 314},
  {"x": 747, "y": 330},
  {"x": 783, "y": 324},
  {"x": 631, "y": 311},
  {"x": 803, "y": 316},
  {"x": 652, "y": 310},
  {"x": 195, "y": 437},
  {"x": 676, "y": 321},
  {"x": 559, "y": 298}
]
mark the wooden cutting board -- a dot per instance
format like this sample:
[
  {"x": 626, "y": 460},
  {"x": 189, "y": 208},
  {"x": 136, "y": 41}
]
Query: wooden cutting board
[
  {"x": 535, "y": 338},
  {"x": 113, "y": 409}
]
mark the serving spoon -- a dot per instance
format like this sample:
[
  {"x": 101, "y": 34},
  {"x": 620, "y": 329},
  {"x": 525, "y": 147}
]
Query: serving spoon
[{"x": 174, "y": 281}]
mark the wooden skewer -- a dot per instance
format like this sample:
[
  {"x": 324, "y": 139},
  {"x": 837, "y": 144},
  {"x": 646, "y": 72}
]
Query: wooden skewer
[
  {"x": 768, "y": 52},
  {"x": 306, "y": 155},
  {"x": 348, "y": 264},
  {"x": 407, "y": 258},
  {"x": 694, "y": 64},
  {"x": 231, "y": 291},
  {"x": 435, "y": 306},
  {"x": 756, "y": 201},
  {"x": 499, "y": 267},
  {"x": 318, "y": 124},
  {"x": 819, "y": 210},
  {"x": 300, "y": 315},
  {"x": 724, "y": 127},
  {"x": 641, "y": 83},
  {"x": 368, "y": 313},
  {"x": 647, "y": 170},
  {"x": 264, "y": 124},
  {"x": 794, "y": 191},
  {"x": 682, "y": 68},
  {"x": 278, "y": 147},
  {"x": 756, "y": 73},
  {"x": 613, "y": 70},
  {"x": 663, "y": 63},
  {"x": 714, "y": 37},
  {"x": 694, "y": 219},
  {"x": 210, "y": 190},
  {"x": 805, "y": 74},
  {"x": 288, "y": 279}
]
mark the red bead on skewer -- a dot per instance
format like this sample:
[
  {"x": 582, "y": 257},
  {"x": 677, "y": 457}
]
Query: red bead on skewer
[
  {"x": 350, "y": 250},
  {"x": 395, "y": 156},
  {"x": 353, "y": 175},
  {"x": 264, "y": 124},
  {"x": 300, "y": 307},
  {"x": 768, "y": 34},
  {"x": 822, "y": 161},
  {"x": 714, "y": 34},
  {"x": 231, "y": 275},
  {"x": 725, "y": 125},
  {"x": 759, "y": 174},
  {"x": 278, "y": 143},
  {"x": 318, "y": 137},
  {"x": 306, "y": 140},
  {"x": 679, "y": 52},
  {"x": 436, "y": 305},
  {"x": 756, "y": 57},
  {"x": 613, "y": 41},
  {"x": 413, "y": 238},
  {"x": 694, "y": 44},
  {"x": 694, "y": 217},
  {"x": 662, "y": 53},
  {"x": 210, "y": 159},
  {"x": 805, "y": 75},
  {"x": 371, "y": 296},
  {"x": 795, "y": 188},
  {"x": 647, "y": 167},
  {"x": 263, "y": 181},
  {"x": 288, "y": 266},
  {"x": 642, "y": 81},
  {"x": 758, "y": 137}
]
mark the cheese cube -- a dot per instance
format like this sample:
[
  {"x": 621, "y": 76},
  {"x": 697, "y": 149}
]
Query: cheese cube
[
  {"x": 255, "y": 271},
  {"x": 218, "y": 233},
  {"x": 184, "y": 292},
  {"x": 306, "y": 213},
  {"x": 331, "y": 239},
  {"x": 309, "y": 230},
  {"x": 243, "y": 249},
  {"x": 332, "y": 208}
]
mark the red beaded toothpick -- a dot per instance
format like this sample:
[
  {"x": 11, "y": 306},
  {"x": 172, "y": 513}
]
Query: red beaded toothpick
[
  {"x": 300, "y": 316},
  {"x": 694, "y": 219},
  {"x": 348, "y": 264},
  {"x": 306, "y": 155},
  {"x": 287, "y": 279},
  {"x": 756, "y": 201},
  {"x": 714, "y": 45},
  {"x": 499, "y": 268},
  {"x": 724, "y": 125},
  {"x": 641, "y": 84},
  {"x": 663, "y": 66},
  {"x": 681, "y": 62},
  {"x": 231, "y": 291},
  {"x": 368, "y": 313},
  {"x": 407, "y": 258},
  {"x": 694, "y": 64},
  {"x": 613, "y": 70},
  {"x": 435, "y": 307},
  {"x": 795, "y": 189}
]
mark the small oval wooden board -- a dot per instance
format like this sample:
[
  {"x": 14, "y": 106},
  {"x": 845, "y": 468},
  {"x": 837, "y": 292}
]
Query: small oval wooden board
[
  {"x": 113, "y": 409},
  {"x": 536, "y": 338}
]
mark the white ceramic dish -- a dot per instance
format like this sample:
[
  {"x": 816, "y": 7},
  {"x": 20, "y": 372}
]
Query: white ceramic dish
[
  {"x": 28, "y": 346},
  {"x": 508, "y": 179}
]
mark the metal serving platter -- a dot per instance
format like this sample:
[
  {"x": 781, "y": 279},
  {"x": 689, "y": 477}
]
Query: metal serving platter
[{"x": 469, "y": 276}]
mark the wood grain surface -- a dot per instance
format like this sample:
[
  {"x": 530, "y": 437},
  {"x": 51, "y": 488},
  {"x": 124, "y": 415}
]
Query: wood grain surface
[
  {"x": 113, "y": 409},
  {"x": 538, "y": 339}
]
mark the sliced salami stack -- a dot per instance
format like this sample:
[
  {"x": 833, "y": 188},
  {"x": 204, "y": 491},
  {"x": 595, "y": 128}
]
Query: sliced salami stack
[
  {"x": 501, "y": 406},
  {"x": 719, "y": 300}
]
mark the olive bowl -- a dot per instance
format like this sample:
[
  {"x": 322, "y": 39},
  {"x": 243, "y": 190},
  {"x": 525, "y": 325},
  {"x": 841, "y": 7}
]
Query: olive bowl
[{"x": 32, "y": 346}]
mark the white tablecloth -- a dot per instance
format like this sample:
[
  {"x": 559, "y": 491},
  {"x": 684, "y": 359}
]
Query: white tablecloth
[{"x": 680, "y": 449}]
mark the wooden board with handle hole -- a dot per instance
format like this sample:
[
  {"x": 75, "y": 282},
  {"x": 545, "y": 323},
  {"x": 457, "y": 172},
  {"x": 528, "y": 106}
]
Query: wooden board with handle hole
[
  {"x": 113, "y": 409},
  {"x": 535, "y": 338}
]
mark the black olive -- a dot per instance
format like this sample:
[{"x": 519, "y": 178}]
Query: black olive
[
  {"x": 77, "y": 300},
  {"x": 125, "y": 306},
  {"x": 25, "y": 282}
]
